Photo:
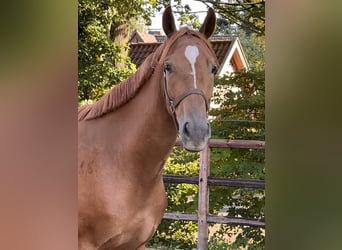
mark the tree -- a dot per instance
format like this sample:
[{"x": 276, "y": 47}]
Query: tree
[
  {"x": 249, "y": 15},
  {"x": 240, "y": 116},
  {"x": 103, "y": 31}
]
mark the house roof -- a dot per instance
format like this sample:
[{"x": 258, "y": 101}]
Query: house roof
[
  {"x": 139, "y": 51},
  {"x": 138, "y": 37},
  {"x": 232, "y": 53},
  {"x": 228, "y": 50}
]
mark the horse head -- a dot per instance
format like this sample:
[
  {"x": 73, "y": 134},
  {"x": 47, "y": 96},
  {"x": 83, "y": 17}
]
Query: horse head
[{"x": 189, "y": 68}]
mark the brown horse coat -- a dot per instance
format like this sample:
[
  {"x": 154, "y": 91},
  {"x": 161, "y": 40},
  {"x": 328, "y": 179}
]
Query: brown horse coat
[{"x": 126, "y": 137}]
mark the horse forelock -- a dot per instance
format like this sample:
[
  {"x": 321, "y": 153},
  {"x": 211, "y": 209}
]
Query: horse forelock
[{"x": 127, "y": 89}]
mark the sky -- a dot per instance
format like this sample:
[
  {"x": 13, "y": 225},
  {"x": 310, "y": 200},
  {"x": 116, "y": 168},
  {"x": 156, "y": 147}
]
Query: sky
[{"x": 194, "y": 5}]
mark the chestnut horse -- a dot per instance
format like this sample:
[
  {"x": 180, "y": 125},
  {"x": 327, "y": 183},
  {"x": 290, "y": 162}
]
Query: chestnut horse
[{"x": 126, "y": 137}]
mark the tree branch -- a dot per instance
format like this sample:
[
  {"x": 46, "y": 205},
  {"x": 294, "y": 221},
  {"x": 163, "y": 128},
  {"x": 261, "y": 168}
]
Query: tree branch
[
  {"x": 241, "y": 13},
  {"x": 231, "y": 4}
]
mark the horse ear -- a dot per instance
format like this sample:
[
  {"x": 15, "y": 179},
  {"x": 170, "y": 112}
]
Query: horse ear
[
  {"x": 169, "y": 25},
  {"x": 209, "y": 23}
]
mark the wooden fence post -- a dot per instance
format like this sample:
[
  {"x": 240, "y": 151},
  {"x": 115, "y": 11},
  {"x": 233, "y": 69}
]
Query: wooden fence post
[{"x": 203, "y": 199}]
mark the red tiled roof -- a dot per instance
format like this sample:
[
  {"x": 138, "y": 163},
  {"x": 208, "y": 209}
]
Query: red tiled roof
[
  {"x": 139, "y": 37},
  {"x": 139, "y": 51},
  {"x": 221, "y": 49}
]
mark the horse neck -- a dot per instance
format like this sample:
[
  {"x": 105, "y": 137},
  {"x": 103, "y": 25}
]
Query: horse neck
[
  {"x": 156, "y": 124},
  {"x": 150, "y": 132}
]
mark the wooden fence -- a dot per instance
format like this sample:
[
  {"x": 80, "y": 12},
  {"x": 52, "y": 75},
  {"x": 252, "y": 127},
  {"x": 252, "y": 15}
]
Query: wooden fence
[{"x": 204, "y": 180}]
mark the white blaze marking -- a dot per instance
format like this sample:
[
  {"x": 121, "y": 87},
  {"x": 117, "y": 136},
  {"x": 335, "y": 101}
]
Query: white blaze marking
[{"x": 191, "y": 53}]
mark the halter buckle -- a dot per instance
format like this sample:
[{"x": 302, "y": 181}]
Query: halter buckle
[{"x": 172, "y": 106}]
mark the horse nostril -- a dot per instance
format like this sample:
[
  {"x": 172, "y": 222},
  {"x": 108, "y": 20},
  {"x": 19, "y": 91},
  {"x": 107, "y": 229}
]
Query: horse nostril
[{"x": 185, "y": 129}]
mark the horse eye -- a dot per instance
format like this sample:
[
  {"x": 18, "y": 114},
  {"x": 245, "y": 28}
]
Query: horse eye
[
  {"x": 214, "y": 69},
  {"x": 167, "y": 67}
]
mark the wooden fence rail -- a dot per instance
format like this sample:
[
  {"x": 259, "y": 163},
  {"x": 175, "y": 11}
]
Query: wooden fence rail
[
  {"x": 215, "y": 219},
  {"x": 215, "y": 181},
  {"x": 204, "y": 180},
  {"x": 226, "y": 143}
]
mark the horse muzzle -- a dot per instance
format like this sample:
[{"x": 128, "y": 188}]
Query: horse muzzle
[{"x": 194, "y": 134}]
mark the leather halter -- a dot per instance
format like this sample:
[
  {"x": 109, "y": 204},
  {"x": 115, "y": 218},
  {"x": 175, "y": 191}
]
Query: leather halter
[{"x": 173, "y": 103}]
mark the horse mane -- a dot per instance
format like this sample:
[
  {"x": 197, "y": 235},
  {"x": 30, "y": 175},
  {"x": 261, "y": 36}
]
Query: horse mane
[{"x": 127, "y": 89}]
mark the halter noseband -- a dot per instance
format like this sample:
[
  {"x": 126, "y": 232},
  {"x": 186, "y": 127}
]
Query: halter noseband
[{"x": 173, "y": 103}]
